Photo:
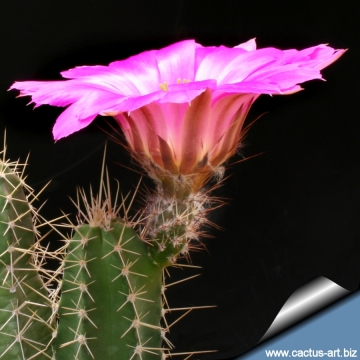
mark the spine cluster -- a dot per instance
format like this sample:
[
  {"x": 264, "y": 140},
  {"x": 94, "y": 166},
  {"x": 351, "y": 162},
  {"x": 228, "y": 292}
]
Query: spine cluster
[{"x": 173, "y": 225}]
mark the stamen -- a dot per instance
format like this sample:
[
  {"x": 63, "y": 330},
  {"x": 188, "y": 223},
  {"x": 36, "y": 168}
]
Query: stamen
[{"x": 164, "y": 86}]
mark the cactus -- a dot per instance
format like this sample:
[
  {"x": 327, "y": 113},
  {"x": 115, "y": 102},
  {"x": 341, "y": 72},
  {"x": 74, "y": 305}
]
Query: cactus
[
  {"x": 111, "y": 291},
  {"x": 107, "y": 298},
  {"x": 27, "y": 321}
]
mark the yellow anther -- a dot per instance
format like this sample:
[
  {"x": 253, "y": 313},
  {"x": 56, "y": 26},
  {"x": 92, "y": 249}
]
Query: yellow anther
[{"x": 164, "y": 86}]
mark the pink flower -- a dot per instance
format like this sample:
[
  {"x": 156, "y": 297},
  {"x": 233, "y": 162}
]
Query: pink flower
[{"x": 182, "y": 107}]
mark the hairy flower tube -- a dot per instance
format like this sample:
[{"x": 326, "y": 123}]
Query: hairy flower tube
[{"x": 181, "y": 108}]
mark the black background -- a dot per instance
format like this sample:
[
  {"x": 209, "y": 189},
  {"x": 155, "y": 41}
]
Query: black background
[{"x": 293, "y": 211}]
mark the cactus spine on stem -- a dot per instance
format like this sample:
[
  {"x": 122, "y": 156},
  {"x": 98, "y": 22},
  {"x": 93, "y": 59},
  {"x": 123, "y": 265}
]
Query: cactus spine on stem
[
  {"x": 27, "y": 322},
  {"x": 111, "y": 291}
]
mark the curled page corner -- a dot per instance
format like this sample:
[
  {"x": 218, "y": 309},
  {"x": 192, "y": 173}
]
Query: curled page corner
[{"x": 308, "y": 299}]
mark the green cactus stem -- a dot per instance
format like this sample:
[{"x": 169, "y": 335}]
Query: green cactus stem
[
  {"x": 27, "y": 321},
  {"x": 111, "y": 301}
]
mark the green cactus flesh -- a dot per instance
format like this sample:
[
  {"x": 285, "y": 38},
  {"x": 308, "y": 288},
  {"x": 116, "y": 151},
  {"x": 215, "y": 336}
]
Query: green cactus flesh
[
  {"x": 26, "y": 316},
  {"x": 111, "y": 304}
]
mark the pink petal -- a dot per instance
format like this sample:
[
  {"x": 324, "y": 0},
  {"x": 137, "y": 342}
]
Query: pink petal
[
  {"x": 190, "y": 139},
  {"x": 234, "y": 65},
  {"x": 153, "y": 121},
  {"x": 140, "y": 133},
  {"x": 285, "y": 76},
  {"x": 250, "y": 86},
  {"x": 141, "y": 70},
  {"x": 327, "y": 61},
  {"x": 222, "y": 116},
  {"x": 173, "y": 118},
  {"x": 230, "y": 112},
  {"x": 69, "y": 122},
  {"x": 176, "y": 62},
  {"x": 82, "y": 112},
  {"x": 249, "y": 45},
  {"x": 185, "y": 93},
  {"x": 132, "y": 103},
  {"x": 102, "y": 77},
  {"x": 316, "y": 57},
  {"x": 137, "y": 75},
  {"x": 177, "y": 93},
  {"x": 58, "y": 93},
  {"x": 210, "y": 62}
]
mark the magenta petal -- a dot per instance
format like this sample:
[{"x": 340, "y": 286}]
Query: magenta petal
[
  {"x": 141, "y": 70},
  {"x": 212, "y": 61},
  {"x": 315, "y": 57},
  {"x": 177, "y": 93},
  {"x": 135, "y": 102},
  {"x": 251, "y": 86},
  {"x": 230, "y": 66},
  {"x": 185, "y": 93},
  {"x": 137, "y": 75},
  {"x": 230, "y": 113},
  {"x": 81, "y": 113},
  {"x": 249, "y": 45},
  {"x": 191, "y": 141},
  {"x": 183, "y": 96},
  {"x": 247, "y": 64},
  {"x": 173, "y": 117},
  {"x": 176, "y": 62},
  {"x": 222, "y": 116},
  {"x": 69, "y": 122},
  {"x": 329, "y": 60},
  {"x": 83, "y": 72},
  {"x": 57, "y": 93},
  {"x": 153, "y": 121},
  {"x": 285, "y": 77}
]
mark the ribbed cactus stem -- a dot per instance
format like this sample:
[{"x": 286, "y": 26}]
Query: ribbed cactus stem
[
  {"x": 27, "y": 323},
  {"x": 111, "y": 302}
]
